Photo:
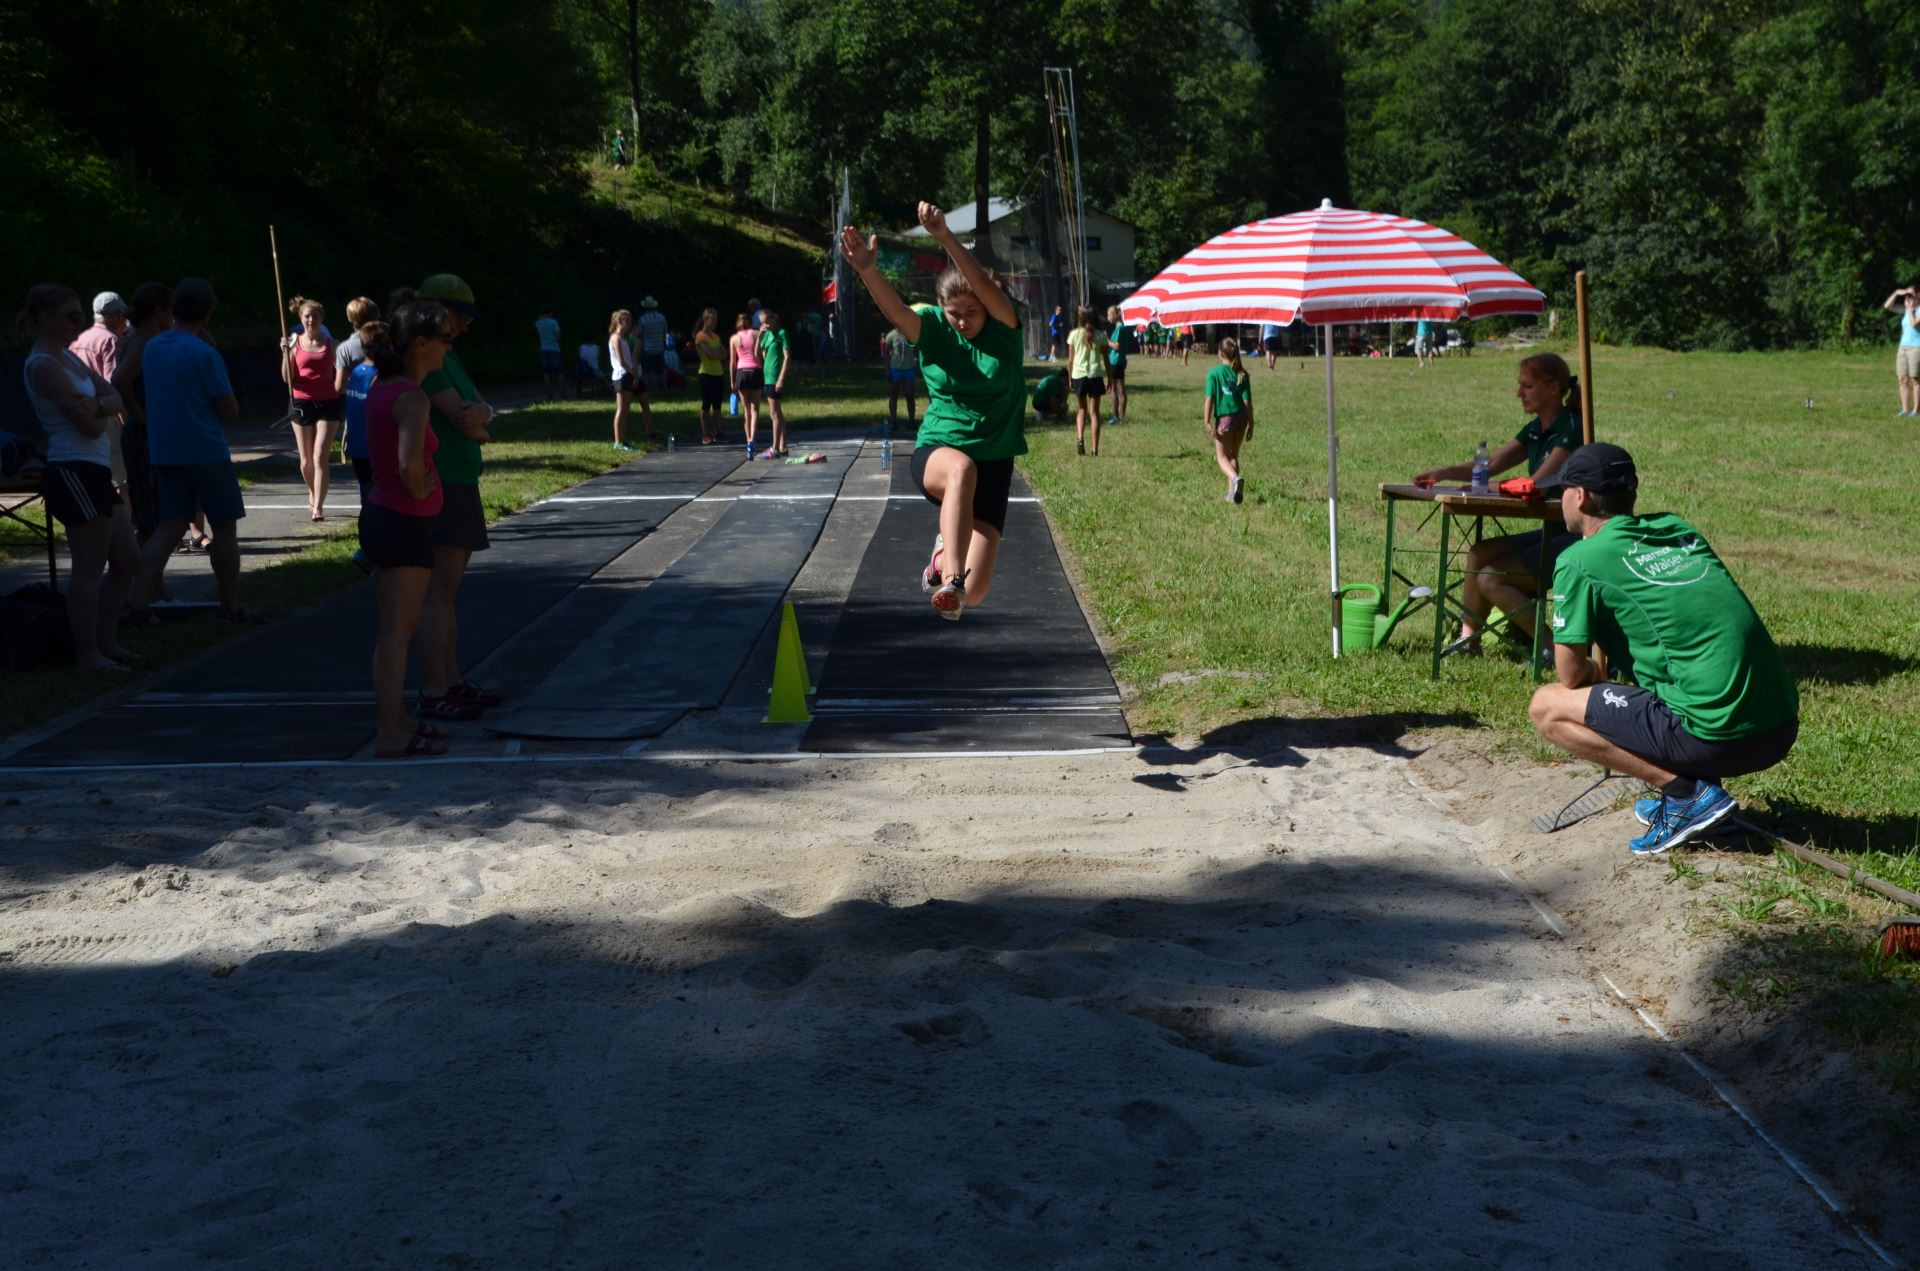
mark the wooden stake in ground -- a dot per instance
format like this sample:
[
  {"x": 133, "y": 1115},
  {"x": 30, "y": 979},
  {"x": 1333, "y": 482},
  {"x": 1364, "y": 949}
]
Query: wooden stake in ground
[
  {"x": 280, "y": 307},
  {"x": 1586, "y": 358}
]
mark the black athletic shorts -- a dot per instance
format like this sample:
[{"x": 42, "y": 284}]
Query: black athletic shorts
[
  {"x": 395, "y": 540},
  {"x": 77, "y": 491},
  {"x": 462, "y": 521},
  {"x": 1526, "y": 547},
  {"x": 1092, "y": 386},
  {"x": 991, "y": 487},
  {"x": 1641, "y": 724},
  {"x": 713, "y": 392},
  {"x": 310, "y": 411}
]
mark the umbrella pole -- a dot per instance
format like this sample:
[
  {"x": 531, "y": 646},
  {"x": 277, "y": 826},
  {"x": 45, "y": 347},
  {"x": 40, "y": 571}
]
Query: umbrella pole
[
  {"x": 1586, "y": 358},
  {"x": 1333, "y": 490}
]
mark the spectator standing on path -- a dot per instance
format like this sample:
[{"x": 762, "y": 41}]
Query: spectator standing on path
[
  {"x": 553, "y": 363},
  {"x": 903, "y": 368},
  {"x": 1120, "y": 343},
  {"x": 653, "y": 347},
  {"x": 461, "y": 422},
  {"x": 397, "y": 520},
  {"x": 1906, "y": 363},
  {"x": 774, "y": 358},
  {"x": 1056, "y": 332},
  {"x": 98, "y": 347},
  {"x": 1423, "y": 342},
  {"x": 308, "y": 367},
  {"x": 1087, "y": 370},
  {"x": 190, "y": 404},
  {"x": 711, "y": 348},
  {"x": 77, "y": 408},
  {"x": 351, "y": 352},
  {"x": 1711, "y": 697},
  {"x": 152, "y": 314},
  {"x": 743, "y": 352},
  {"x": 623, "y": 372}
]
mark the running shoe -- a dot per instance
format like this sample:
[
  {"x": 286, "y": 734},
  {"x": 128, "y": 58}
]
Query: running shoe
[
  {"x": 1080, "y": 445},
  {"x": 1238, "y": 492},
  {"x": 950, "y": 598},
  {"x": 448, "y": 707},
  {"x": 930, "y": 576},
  {"x": 1677, "y": 820},
  {"x": 623, "y": 447},
  {"x": 1644, "y": 810}
]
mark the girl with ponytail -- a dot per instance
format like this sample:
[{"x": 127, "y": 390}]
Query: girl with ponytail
[{"x": 1228, "y": 414}]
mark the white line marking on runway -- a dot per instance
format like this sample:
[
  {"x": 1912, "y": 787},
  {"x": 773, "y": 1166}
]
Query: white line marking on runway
[
  {"x": 759, "y": 498},
  {"x": 574, "y": 758}
]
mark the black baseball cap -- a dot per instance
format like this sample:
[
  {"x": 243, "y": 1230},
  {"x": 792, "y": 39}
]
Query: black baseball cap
[{"x": 1599, "y": 467}]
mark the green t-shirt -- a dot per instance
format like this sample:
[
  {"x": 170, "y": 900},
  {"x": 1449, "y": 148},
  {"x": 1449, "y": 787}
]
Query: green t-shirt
[
  {"x": 1649, "y": 591},
  {"x": 1229, "y": 393},
  {"x": 976, "y": 393},
  {"x": 1120, "y": 342},
  {"x": 1541, "y": 442},
  {"x": 1049, "y": 392},
  {"x": 458, "y": 459},
  {"x": 773, "y": 353}
]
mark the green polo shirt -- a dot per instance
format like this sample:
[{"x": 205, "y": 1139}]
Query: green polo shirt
[
  {"x": 1541, "y": 440},
  {"x": 458, "y": 458},
  {"x": 976, "y": 392},
  {"x": 773, "y": 354},
  {"x": 1649, "y": 591},
  {"x": 1229, "y": 393}
]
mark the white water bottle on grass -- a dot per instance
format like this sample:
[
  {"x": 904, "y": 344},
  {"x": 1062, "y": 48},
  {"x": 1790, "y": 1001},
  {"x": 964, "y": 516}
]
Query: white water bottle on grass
[{"x": 1481, "y": 462}]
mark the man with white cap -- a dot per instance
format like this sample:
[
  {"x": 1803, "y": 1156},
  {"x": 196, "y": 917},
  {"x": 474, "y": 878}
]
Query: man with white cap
[{"x": 99, "y": 345}]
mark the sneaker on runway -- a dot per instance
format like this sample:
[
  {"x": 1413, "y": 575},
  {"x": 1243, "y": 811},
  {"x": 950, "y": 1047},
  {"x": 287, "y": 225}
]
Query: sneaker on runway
[
  {"x": 1238, "y": 492},
  {"x": 1678, "y": 821},
  {"x": 950, "y": 598},
  {"x": 930, "y": 576}
]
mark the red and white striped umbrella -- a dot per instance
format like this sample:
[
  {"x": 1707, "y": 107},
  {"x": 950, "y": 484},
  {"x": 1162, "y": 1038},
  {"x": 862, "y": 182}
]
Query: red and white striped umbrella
[
  {"x": 1328, "y": 265},
  {"x": 1332, "y": 265}
]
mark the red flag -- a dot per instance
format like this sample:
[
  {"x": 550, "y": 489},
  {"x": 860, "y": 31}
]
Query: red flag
[{"x": 830, "y": 293}]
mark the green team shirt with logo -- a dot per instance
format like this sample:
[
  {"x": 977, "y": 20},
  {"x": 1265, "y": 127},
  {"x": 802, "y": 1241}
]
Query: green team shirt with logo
[
  {"x": 773, "y": 354},
  {"x": 1229, "y": 393},
  {"x": 976, "y": 390},
  {"x": 1542, "y": 440},
  {"x": 1649, "y": 591},
  {"x": 458, "y": 460}
]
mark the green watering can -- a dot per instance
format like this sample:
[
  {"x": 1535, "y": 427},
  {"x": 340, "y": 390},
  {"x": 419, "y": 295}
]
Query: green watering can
[{"x": 1364, "y": 622}]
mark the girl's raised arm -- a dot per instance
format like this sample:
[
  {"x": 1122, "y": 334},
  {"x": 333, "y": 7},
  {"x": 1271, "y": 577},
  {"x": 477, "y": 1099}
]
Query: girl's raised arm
[
  {"x": 865, "y": 258},
  {"x": 998, "y": 305}
]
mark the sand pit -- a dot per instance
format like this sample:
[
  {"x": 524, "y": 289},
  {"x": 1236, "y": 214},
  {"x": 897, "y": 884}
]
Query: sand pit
[{"x": 1091, "y": 1012}]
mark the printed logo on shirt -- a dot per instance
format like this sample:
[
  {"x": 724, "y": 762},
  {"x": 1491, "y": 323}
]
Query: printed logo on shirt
[
  {"x": 1613, "y": 697},
  {"x": 1667, "y": 566}
]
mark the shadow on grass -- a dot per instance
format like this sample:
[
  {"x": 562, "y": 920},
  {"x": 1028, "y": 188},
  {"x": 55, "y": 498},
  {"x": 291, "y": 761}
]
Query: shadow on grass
[
  {"x": 1827, "y": 830},
  {"x": 1833, "y": 664},
  {"x": 1279, "y": 741}
]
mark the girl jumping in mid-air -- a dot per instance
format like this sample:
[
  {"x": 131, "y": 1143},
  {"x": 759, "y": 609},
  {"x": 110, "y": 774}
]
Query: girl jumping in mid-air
[
  {"x": 970, "y": 357},
  {"x": 1228, "y": 414}
]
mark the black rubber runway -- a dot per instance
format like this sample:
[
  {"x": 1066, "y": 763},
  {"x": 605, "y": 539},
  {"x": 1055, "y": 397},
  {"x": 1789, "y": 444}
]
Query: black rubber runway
[
  {"x": 299, "y": 689},
  {"x": 1021, "y": 672},
  {"x": 677, "y": 644}
]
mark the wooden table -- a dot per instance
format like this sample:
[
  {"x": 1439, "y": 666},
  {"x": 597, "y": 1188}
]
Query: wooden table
[
  {"x": 1448, "y": 503},
  {"x": 17, "y": 493}
]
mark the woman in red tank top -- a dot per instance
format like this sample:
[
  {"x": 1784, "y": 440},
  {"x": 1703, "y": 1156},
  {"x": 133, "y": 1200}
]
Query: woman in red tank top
[
  {"x": 318, "y": 407},
  {"x": 396, "y": 525}
]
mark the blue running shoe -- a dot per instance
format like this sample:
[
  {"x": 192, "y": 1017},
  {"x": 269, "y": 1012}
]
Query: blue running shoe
[
  {"x": 1677, "y": 822},
  {"x": 1644, "y": 810}
]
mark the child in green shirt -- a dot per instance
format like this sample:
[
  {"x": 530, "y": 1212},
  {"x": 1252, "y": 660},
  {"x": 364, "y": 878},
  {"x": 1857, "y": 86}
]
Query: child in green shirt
[
  {"x": 1228, "y": 414},
  {"x": 773, "y": 364},
  {"x": 971, "y": 357}
]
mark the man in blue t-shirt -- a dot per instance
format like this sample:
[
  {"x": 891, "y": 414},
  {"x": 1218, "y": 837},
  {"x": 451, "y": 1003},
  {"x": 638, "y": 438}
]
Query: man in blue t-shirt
[
  {"x": 190, "y": 403},
  {"x": 552, "y": 361}
]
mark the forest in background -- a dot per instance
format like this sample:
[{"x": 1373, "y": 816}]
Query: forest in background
[{"x": 1733, "y": 173}]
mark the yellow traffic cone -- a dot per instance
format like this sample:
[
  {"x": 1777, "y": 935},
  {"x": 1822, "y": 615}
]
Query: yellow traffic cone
[{"x": 790, "y": 686}]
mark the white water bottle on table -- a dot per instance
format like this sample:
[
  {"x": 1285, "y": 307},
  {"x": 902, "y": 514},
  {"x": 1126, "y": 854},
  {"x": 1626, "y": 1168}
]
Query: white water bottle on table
[{"x": 1481, "y": 462}]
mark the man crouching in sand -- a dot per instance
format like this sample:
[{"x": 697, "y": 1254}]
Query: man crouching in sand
[{"x": 1714, "y": 699}]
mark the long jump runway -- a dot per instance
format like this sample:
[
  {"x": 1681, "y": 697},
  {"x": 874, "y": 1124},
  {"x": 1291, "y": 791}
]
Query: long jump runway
[
  {"x": 298, "y": 690},
  {"x": 1021, "y": 672}
]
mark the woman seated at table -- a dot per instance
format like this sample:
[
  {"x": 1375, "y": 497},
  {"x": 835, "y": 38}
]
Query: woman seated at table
[{"x": 1501, "y": 571}]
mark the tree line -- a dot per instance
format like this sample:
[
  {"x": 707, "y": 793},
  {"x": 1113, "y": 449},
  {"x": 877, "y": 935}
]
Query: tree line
[{"x": 1732, "y": 173}]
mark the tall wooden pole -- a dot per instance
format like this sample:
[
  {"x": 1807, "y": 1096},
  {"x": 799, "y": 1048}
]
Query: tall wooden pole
[{"x": 1586, "y": 358}]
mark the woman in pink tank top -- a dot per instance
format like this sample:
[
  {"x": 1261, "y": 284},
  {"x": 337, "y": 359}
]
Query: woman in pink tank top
[
  {"x": 318, "y": 406},
  {"x": 396, "y": 525},
  {"x": 744, "y": 350}
]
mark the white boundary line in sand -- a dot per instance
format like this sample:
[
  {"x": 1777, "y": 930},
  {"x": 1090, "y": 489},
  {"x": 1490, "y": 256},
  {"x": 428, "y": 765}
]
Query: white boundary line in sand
[
  {"x": 633, "y": 752},
  {"x": 1733, "y": 1101},
  {"x": 748, "y": 498}
]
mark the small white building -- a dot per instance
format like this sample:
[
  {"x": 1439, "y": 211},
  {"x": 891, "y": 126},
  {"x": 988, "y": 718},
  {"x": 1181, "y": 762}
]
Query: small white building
[{"x": 1014, "y": 230}]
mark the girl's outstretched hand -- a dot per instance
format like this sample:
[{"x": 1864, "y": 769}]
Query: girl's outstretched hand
[
  {"x": 933, "y": 220},
  {"x": 860, "y": 255}
]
